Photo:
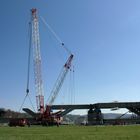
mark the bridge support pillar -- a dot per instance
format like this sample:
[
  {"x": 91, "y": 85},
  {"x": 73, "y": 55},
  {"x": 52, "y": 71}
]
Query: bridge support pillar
[{"x": 95, "y": 116}]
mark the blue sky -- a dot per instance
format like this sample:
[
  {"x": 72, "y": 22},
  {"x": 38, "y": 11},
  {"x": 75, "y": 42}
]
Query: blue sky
[{"x": 104, "y": 36}]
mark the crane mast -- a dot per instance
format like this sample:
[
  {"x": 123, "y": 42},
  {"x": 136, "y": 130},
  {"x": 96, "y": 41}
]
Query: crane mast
[{"x": 37, "y": 61}]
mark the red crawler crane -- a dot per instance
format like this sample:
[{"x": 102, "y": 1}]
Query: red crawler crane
[{"x": 46, "y": 116}]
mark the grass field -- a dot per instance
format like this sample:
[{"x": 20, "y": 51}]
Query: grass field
[{"x": 71, "y": 133}]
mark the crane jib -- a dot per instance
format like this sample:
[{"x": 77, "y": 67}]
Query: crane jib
[
  {"x": 60, "y": 80},
  {"x": 68, "y": 63}
]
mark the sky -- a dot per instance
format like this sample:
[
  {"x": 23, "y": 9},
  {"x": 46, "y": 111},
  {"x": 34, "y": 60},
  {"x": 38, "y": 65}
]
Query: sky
[{"x": 103, "y": 35}]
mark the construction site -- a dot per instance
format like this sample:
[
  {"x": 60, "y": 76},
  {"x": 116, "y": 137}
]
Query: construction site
[
  {"x": 70, "y": 70},
  {"x": 48, "y": 113}
]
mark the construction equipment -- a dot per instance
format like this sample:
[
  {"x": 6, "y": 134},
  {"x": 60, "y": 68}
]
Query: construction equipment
[
  {"x": 48, "y": 115},
  {"x": 37, "y": 61},
  {"x": 2, "y": 111},
  {"x": 44, "y": 115},
  {"x": 17, "y": 122}
]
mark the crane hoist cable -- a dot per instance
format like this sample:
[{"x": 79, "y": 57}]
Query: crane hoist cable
[
  {"x": 55, "y": 35},
  {"x": 73, "y": 81},
  {"x": 69, "y": 88},
  {"x": 27, "y": 95},
  {"x": 72, "y": 86},
  {"x": 29, "y": 55},
  {"x": 28, "y": 70}
]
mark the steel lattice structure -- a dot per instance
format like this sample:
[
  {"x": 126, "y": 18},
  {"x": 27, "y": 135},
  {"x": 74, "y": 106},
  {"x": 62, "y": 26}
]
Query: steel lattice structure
[{"x": 37, "y": 61}]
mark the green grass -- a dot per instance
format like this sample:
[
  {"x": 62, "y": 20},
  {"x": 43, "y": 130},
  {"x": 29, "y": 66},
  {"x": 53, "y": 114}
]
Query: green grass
[{"x": 71, "y": 133}]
